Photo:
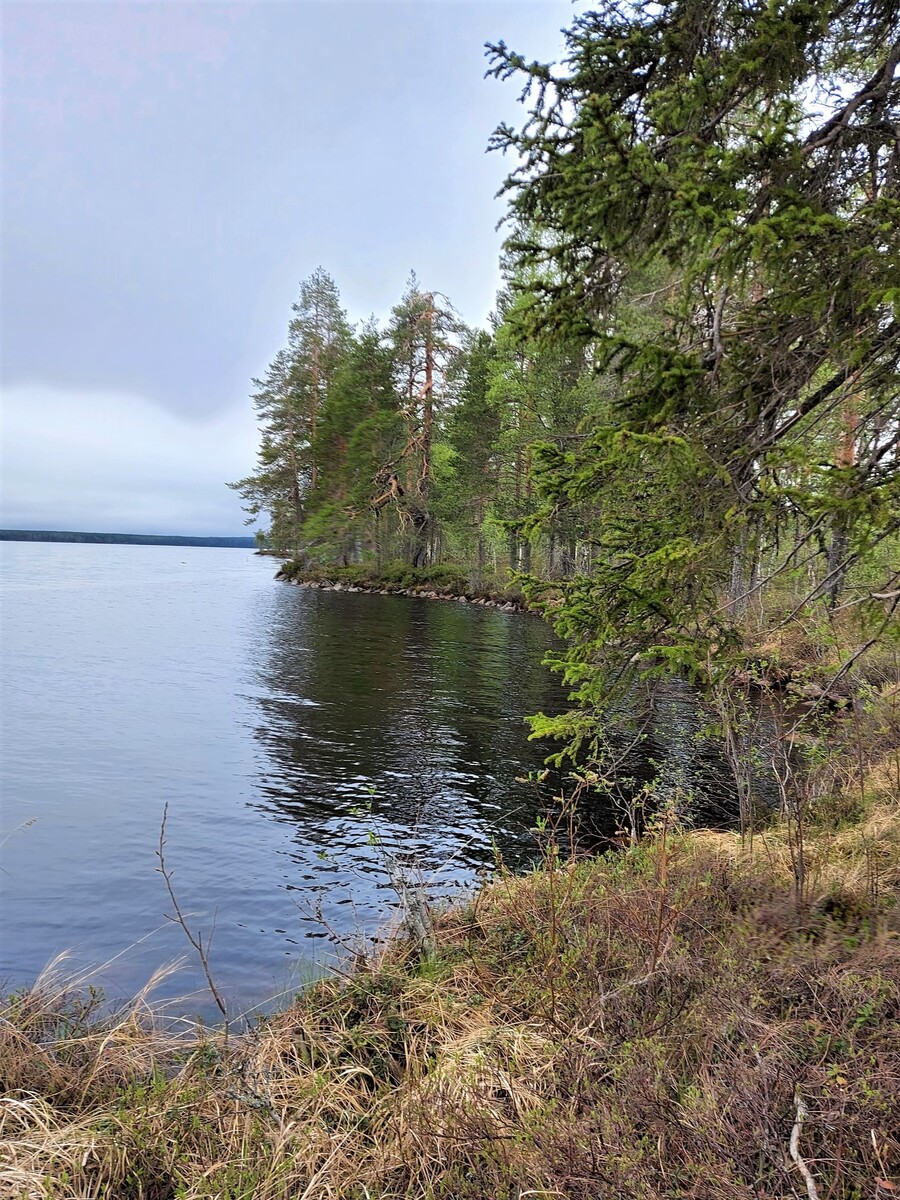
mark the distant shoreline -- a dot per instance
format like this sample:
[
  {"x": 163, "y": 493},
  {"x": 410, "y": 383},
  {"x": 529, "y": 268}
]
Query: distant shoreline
[{"x": 123, "y": 539}]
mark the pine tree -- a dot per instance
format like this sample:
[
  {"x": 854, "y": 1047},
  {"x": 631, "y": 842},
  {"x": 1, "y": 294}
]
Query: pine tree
[
  {"x": 317, "y": 338},
  {"x": 424, "y": 332},
  {"x": 276, "y": 487}
]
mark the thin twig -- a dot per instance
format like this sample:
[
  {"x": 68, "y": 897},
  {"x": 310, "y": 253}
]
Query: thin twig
[
  {"x": 718, "y": 347},
  {"x": 179, "y": 918}
]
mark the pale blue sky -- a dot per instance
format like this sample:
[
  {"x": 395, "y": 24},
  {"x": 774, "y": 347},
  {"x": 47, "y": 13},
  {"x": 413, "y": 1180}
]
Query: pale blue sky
[{"x": 170, "y": 173}]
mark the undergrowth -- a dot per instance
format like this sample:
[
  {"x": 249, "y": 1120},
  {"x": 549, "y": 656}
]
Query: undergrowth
[{"x": 652, "y": 1023}]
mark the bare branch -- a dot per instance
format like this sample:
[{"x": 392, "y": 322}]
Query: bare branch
[
  {"x": 802, "y": 1114},
  {"x": 874, "y": 88},
  {"x": 179, "y": 918}
]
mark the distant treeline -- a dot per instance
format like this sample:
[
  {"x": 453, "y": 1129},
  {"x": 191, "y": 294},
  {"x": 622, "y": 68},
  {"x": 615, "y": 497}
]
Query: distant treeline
[{"x": 121, "y": 539}]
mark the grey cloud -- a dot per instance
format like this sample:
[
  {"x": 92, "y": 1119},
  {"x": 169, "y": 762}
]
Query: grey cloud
[
  {"x": 118, "y": 463},
  {"x": 171, "y": 171}
]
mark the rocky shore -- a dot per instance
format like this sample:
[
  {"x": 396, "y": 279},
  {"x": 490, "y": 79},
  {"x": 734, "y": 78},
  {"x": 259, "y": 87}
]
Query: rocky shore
[{"x": 420, "y": 592}]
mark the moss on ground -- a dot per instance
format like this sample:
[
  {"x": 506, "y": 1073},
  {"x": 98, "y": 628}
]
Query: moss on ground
[{"x": 447, "y": 580}]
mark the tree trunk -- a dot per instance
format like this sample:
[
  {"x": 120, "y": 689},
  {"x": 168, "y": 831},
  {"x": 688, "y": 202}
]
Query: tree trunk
[
  {"x": 845, "y": 459},
  {"x": 427, "y": 404},
  {"x": 479, "y": 549},
  {"x": 512, "y": 549},
  {"x": 421, "y": 523},
  {"x": 743, "y": 573},
  {"x": 313, "y": 412}
]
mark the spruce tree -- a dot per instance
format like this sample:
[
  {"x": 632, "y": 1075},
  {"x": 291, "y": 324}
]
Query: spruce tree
[
  {"x": 288, "y": 401},
  {"x": 706, "y": 197},
  {"x": 744, "y": 157},
  {"x": 360, "y": 428},
  {"x": 473, "y": 430}
]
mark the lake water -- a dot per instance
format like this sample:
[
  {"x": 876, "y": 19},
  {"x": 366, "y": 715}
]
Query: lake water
[
  {"x": 298, "y": 737},
  {"x": 303, "y": 741}
]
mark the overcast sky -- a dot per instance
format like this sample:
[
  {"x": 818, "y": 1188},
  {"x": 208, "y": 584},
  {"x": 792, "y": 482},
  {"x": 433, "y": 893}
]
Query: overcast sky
[{"x": 171, "y": 171}]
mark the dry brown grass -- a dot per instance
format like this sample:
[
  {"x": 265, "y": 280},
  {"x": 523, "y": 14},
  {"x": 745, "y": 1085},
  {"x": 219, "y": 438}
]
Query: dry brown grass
[
  {"x": 637, "y": 1026},
  {"x": 861, "y": 858},
  {"x": 789, "y": 639}
]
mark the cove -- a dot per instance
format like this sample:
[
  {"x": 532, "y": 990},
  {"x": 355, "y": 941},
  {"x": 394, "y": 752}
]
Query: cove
[
  {"x": 285, "y": 729},
  {"x": 298, "y": 737}
]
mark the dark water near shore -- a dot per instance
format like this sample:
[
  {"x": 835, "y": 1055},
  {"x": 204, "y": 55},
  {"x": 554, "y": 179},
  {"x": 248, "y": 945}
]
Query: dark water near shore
[{"x": 301, "y": 739}]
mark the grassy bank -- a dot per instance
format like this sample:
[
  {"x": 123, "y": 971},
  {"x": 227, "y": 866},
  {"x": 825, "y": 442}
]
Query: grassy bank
[
  {"x": 445, "y": 582},
  {"x": 666, "y": 1022}
]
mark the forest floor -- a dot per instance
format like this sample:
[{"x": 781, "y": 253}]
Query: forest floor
[{"x": 684, "y": 1018}]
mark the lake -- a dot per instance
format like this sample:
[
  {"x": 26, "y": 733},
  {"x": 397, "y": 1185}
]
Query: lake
[
  {"x": 302, "y": 740},
  {"x": 308, "y": 744}
]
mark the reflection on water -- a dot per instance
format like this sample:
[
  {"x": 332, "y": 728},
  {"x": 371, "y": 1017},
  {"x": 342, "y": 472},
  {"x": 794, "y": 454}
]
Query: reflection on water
[
  {"x": 394, "y": 732},
  {"x": 665, "y": 749},
  {"x": 395, "y": 728},
  {"x": 297, "y": 737},
  {"x": 300, "y": 739}
]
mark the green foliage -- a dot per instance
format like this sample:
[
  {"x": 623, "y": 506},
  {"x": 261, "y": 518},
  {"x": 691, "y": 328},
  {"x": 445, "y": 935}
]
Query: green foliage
[
  {"x": 679, "y": 433},
  {"x": 705, "y": 200}
]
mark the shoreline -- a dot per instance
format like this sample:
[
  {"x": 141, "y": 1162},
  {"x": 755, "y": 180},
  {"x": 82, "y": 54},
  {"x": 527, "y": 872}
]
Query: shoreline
[
  {"x": 689, "y": 998},
  {"x": 786, "y": 674},
  {"x": 350, "y": 579}
]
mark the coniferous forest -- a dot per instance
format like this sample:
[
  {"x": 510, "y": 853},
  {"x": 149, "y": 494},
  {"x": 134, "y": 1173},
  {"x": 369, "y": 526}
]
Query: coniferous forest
[
  {"x": 678, "y": 438},
  {"x": 679, "y": 433}
]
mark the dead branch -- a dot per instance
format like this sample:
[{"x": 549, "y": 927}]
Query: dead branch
[
  {"x": 413, "y": 442},
  {"x": 802, "y": 1114},
  {"x": 394, "y": 492},
  {"x": 848, "y": 664},
  {"x": 718, "y": 347},
  {"x": 874, "y": 88},
  {"x": 179, "y": 919},
  {"x": 599, "y": 1015}
]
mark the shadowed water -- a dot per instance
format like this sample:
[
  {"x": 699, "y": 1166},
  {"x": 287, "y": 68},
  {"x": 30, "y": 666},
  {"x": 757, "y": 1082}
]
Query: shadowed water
[{"x": 302, "y": 740}]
